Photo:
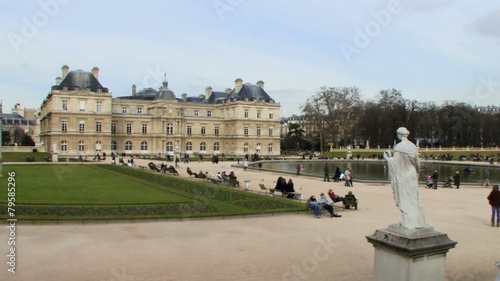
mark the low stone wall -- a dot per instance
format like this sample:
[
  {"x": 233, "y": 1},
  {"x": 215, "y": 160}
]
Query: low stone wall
[{"x": 22, "y": 148}]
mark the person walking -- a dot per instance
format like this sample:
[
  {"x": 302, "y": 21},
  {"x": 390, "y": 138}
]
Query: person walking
[
  {"x": 486, "y": 178},
  {"x": 456, "y": 179},
  {"x": 494, "y": 200},
  {"x": 326, "y": 169},
  {"x": 435, "y": 178}
]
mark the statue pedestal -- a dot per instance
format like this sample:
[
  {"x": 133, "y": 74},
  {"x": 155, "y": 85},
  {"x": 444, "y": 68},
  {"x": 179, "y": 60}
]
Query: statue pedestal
[
  {"x": 55, "y": 157},
  {"x": 410, "y": 254}
]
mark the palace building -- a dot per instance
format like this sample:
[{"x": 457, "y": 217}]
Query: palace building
[{"x": 80, "y": 117}]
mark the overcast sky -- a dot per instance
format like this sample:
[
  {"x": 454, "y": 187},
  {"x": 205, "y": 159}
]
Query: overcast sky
[{"x": 431, "y": 50}]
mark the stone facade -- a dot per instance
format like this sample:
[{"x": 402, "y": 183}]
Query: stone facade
[{"x": 81, "y": 117}]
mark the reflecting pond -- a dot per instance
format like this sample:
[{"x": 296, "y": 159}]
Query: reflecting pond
[{"x": 377, "y": 170}]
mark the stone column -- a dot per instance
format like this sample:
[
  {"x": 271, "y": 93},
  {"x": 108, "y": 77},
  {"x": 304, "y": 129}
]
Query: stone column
[{"x": 410, "y": 254}]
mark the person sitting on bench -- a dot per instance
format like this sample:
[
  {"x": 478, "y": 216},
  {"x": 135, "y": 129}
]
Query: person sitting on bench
[{"x": 328, "y": 205}]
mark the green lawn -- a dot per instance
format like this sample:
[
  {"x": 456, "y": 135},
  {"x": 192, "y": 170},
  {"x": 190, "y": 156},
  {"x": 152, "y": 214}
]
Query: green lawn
[
  {"x": 81, "y": 185},
  {"x": 21, "y": 156},
  {"x": 116, "y": 192}
]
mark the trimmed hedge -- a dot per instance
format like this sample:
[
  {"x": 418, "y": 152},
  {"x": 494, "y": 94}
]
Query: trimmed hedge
[{"x": 91, "y": 211}]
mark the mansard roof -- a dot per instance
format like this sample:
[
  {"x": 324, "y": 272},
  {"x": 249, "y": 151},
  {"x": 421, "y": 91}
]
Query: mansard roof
[
  {"x": 80, "y": 80},
  {"x": 250, "y": 92}
]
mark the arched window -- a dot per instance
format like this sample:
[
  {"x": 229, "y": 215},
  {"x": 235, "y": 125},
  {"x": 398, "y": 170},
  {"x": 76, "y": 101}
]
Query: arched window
[
  {"x": 203, "y": 146},
  {"x": 144, "y": 145},
  {"x": 170, "y": 129},
  {"x": 113, "y": 145},
  {"x": 189, "y": 146},
  {"x": 64, "y": 145},
  {"x": 245, "y": 147},
  {"x": 128, "y": 145},
  {"x": 170, "y": 146},
  {"x": 270, "y": 148},
  {"x": 81, "y": 146},
  {"x": 257, "y": 147},
  {"x": 216, "y": 146}
]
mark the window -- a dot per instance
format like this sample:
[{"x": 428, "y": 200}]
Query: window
[
  {"x": 170, "y": 129},
  {"x": 259, "y": 131},
  {"x": 144, "y": 128},
  {"x": 245, "y": 130},
  {"x": 189, "y": 130},
  {"x": 64, "y": 126},
  {"x": 98, "y": 146},
  {"x": 129, "y": 128},
  {"x": 216, "y": 146},
  {"x": 139, "y": 110},
  {"x": 81, "y": 146},
  {"x": 189, "y": 146},
  {"x": 113, "y": 128},
  {"x": 196, "y": 112},
  {"x": 128, "y": 145},
  {"x": 82, "y": 105},
  {"x": 270, "y": 148},
  {"x": 203, "y": 146},
  {"x": 271, "y": 115},
  {"x": 245, "y": 147},
  {"x": 203, "y": 130},
  {"x": 209, "y": 113},
  {"x": 170, "y": 146},
  {"x": 98, "y": 106},
  {"x": 216, "y": 130},
  {"x": 257, "y": 147},
  {"x": 113, "y": 145},
  {"x": 64, "y": 105},
  {"x": 271, "y": 131},
  {"x": 144, "y": 146},
  {"x": 124, "y": 109},
  {"x": 246, "y": 113},
  {"x": 259, "y": 113},
  {"x": 98, "y": 126},
  {"x": 81, "y": 126},
  {"x": 64, "y": 145}
]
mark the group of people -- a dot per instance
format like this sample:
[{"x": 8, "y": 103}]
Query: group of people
[
  {"x": 284, "y": 186},
  {"x": 326, "y": 203},
  {"x": 219, "y": 177},
  {"x": 347, "y": 175}
]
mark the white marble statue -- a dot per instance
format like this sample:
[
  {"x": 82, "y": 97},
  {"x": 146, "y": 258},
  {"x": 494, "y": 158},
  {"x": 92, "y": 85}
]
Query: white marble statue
[
  {"x": 54, "y": 147},
  {"x": 404, "y": 168}
]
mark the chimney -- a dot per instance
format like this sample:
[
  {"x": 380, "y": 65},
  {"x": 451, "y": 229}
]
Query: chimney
[
  {"x": 208, "y": 92},
  {"x": 184, "y": 96},
  {"x": 95, "y": 72},
  {"x": 238, "y": 84},
  {"x": 58, "y": 80},
  {"x": 65, "y": 70},
  {"x": 228, "y": 90},
  {"x": 134, "y": 90},
  {"x": 260, "y": 83}
]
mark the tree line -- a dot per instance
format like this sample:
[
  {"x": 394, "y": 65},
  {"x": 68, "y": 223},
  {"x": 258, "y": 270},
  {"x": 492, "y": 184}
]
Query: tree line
[{"x": 338, "y": 115}]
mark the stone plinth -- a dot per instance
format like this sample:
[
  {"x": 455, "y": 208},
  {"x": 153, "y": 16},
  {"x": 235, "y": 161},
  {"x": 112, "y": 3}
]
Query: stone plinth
[
  {"x": 55, "y": 157},
  {"x": 410, "y": 254}
]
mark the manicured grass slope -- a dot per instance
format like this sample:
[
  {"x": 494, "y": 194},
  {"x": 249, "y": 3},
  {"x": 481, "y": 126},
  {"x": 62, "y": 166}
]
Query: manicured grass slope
[
  {"x": 116, "y": 192},
  {"x": 81, "y": 185}
]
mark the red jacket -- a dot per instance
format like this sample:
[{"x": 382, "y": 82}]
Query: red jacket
[{"x": 494, "y": 198}]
